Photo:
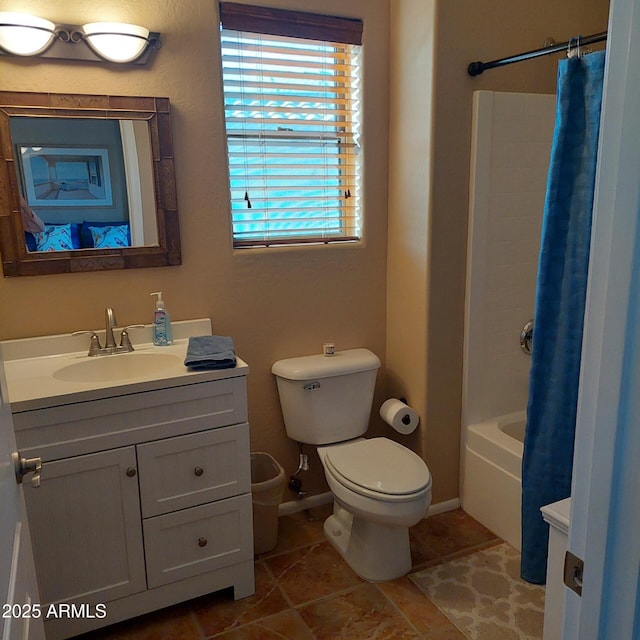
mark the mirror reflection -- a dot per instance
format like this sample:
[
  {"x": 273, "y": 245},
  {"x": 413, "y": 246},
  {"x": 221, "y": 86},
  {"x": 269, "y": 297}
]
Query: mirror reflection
[
  {"x": 84, "y": 183},
  {"x": 87, "y": 183}
]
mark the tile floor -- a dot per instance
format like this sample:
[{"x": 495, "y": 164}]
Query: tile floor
[{"x": 305, "y": 591}]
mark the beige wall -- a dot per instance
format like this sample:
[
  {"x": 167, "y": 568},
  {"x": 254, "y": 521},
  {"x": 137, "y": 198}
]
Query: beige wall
[
  {"x": 427, "y": 367},
  {"x": 411, "y": 136},
  {"x": 275, "y": 303}
]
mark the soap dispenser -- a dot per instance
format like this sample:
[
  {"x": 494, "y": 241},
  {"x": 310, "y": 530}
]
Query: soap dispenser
[{"x": 162, "y": 335}]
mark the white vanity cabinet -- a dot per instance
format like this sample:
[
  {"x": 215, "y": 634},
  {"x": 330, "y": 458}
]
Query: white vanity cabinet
[{"x": 145, "y": 498}]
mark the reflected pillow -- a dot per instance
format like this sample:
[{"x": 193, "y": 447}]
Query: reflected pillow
[
  {"x": 86, "y": 237},
  {"x": 54, "y": 238},
  {"x": 110, "y": 237}
]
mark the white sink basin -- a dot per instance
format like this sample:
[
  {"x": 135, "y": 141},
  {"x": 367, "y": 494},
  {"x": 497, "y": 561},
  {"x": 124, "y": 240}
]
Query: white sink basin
[{"x": 123, "y": 366}]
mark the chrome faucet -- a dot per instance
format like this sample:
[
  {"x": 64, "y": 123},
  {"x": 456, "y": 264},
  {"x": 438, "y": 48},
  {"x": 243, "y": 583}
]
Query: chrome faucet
[{"x": 110, "y": 347}]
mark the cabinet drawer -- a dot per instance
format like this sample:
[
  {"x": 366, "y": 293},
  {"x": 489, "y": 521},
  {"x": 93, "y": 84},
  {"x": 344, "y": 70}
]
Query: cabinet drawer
[
  {"x": 189, "y": 470},
  {"x": 107, "y": 423},
  {"x": 190, "y": 542}
]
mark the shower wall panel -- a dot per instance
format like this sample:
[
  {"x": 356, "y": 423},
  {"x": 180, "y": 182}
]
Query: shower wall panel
[{"x": 512, "y": 134}]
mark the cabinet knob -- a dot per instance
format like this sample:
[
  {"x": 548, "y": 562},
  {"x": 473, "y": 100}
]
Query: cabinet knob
[
  {"x": 131, "y": 471},
  {"x": 202, "y": 542},
  {"x": 198, "y": 471}
]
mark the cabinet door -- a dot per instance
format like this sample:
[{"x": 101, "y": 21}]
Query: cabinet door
[{"x": 86, "y": 529}]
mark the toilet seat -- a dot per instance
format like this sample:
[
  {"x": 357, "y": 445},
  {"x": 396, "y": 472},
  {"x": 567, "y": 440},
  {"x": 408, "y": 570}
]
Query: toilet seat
[{"x": 378, "y": 468}]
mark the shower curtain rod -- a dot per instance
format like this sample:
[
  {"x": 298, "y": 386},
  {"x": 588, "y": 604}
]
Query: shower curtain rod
[{"x": 476, "y": 68}]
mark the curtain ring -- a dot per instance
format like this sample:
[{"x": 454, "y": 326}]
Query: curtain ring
[
  {"x": 569, "y": 55},
  {"x": 576, "y": 52}
]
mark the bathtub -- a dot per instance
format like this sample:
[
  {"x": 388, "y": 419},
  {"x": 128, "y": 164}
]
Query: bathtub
[{"x": 492, "y": 474}]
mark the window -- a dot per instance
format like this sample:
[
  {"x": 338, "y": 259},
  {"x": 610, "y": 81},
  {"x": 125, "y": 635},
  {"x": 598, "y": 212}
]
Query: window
[{"x": 292, "y": 113}]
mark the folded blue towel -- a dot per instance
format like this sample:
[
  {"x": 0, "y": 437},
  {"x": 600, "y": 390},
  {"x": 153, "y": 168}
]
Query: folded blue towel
[{"x": 210, "y": 352}]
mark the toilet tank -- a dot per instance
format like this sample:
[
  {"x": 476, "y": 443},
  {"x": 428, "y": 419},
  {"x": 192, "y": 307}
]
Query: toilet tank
[{"x": 327, "y": 399}]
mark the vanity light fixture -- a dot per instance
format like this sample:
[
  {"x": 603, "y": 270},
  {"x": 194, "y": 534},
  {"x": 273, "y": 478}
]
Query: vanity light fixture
[{"x": 26, "y": 35}]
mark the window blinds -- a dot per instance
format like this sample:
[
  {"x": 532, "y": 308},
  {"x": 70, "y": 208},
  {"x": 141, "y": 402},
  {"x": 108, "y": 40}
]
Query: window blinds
[{"x": 293, "y": 127}]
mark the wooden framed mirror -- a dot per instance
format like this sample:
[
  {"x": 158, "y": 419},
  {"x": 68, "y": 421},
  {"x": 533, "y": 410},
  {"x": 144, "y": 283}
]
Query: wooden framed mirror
[{"x": 94, "y": 168}]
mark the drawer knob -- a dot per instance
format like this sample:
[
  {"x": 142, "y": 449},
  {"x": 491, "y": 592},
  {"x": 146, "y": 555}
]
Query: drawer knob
[
  {"x": 198, "y": 471},
  {"x": 131, "y": 471},
  {"x": 202, "y": 542}
]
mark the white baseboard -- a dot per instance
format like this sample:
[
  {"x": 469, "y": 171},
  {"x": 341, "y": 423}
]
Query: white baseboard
[
  {"x": 293, "y": 506},
  {"x": 441, "y": 507}
]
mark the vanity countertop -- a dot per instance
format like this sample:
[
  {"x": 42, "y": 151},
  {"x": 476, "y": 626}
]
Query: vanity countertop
[{"x": 37, "y": 369}]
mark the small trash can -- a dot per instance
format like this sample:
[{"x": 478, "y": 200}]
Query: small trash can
[{"x": 267, "y": 486}]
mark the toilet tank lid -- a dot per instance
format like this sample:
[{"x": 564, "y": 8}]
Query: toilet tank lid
[{"x": 320, "y": 366}]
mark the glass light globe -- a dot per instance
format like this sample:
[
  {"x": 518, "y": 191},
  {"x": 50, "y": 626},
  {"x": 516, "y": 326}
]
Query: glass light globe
[
  {"x": 25, "y": 35},
  {"x": 116, "y": 41}
]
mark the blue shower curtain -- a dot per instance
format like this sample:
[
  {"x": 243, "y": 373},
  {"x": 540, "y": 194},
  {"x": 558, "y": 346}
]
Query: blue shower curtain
[{"x": 560, "y": 301}]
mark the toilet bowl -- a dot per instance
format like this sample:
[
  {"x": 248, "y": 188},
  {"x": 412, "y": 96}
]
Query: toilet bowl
[{"x": 380, "y": 489}]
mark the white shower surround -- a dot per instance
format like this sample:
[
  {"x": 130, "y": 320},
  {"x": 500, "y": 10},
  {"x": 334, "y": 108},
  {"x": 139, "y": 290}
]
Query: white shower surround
[{"x": 511, "y": 146}]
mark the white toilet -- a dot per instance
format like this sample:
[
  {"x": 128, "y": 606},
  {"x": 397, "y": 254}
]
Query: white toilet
[{"x": 380, "y": 488}]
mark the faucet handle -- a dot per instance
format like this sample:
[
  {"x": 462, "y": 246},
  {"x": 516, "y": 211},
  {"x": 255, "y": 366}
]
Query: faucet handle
[
  {"x": 125, "y": 342},
  {"x": 94, "y": 345}
]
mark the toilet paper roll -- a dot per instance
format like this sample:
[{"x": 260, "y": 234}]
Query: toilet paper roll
[{"x": 399, "y": 416}]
